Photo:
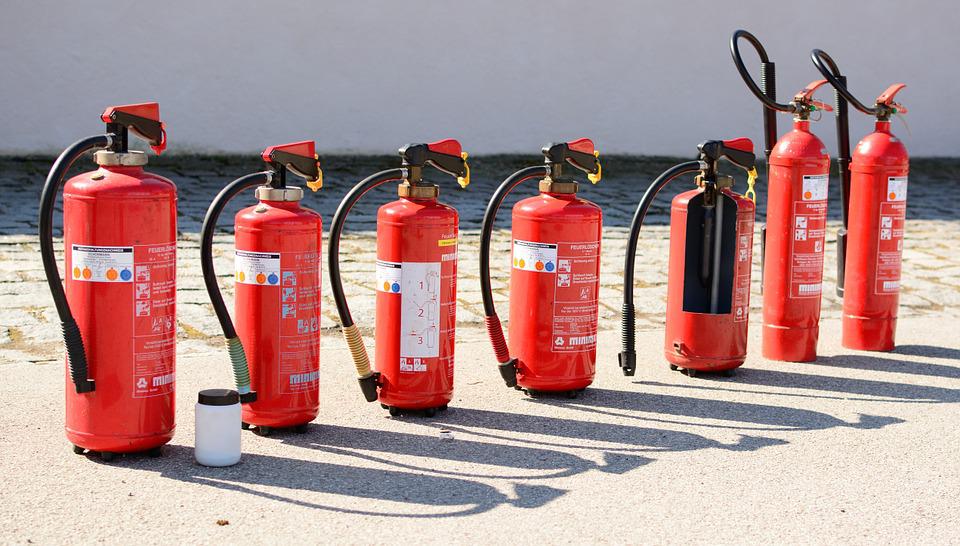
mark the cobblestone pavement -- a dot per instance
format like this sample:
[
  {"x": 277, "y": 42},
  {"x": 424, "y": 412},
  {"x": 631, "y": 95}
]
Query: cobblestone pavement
[{"x": 28, "y": 325}]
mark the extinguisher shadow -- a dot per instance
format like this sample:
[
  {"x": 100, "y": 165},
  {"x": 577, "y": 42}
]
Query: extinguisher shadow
[
  {"x": 738, "y": 415},
  {"x": 427, "y": 496},
  {"x": 883, "y": 364},
  {"x": 430, "y": 454},
  {"x": 563, "y": 433},
  {"x": 832, "y": 387}
]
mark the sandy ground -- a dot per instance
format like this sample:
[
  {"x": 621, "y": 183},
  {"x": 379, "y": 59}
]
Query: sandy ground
[{"x": 858, "y": 448}]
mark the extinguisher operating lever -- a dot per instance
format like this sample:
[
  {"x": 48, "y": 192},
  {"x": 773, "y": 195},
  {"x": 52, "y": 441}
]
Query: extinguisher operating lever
[
  {"x": 143, "y": 119},
  {"x": 445, "y": 155},
  {"x": 738, "y": 151},
  {"x": 580, "y": 153},
  {"x": 299, "y": 157}
]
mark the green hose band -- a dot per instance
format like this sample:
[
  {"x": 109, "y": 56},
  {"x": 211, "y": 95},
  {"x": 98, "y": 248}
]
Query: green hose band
[{"x": 238, "y": 358}]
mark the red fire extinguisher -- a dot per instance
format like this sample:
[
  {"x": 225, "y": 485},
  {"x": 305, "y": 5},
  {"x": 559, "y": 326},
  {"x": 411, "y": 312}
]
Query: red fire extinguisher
[
  {"x": 792, "y": 241},
  {"x": 554, "y": 279},
  {"x": 118, "y": 310},
  {"x": 277, "y": 275},
  {"x": 870, "y": 246},
  {"x": 708, "y": 285},
  {"x": 416, "y": 284}
]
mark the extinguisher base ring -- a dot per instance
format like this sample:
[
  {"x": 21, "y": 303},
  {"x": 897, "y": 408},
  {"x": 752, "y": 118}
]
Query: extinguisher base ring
[{"x": 508, "y": 371}]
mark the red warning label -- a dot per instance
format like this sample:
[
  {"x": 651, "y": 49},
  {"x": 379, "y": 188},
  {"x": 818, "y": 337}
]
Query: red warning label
[
  {"x": 154, "y": 319},
  {"x": 741, "y": 279},
  {"x": 890, "y": 243},
  {"x": 575, "y": 296},
  {"x": 809, "y": 232},
  {"x": 299, "y": 322}
]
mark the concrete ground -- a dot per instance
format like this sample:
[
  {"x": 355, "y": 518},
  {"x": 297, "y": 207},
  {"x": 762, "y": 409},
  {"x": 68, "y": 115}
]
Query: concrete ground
[{"x": 859, "y": 447}]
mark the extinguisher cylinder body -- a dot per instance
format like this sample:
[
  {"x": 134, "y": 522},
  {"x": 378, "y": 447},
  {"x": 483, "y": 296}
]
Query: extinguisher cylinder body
[
  {"x": 878, "y": 204},
  {"x": 416, "y": 302},
  {"x": 708, "y": 289},
  {"x": 793, "y": 259},
  {"x": 120, "y": 233},
  {"x": 277, "y": 309},
  {"x": 554, "y": 288}
]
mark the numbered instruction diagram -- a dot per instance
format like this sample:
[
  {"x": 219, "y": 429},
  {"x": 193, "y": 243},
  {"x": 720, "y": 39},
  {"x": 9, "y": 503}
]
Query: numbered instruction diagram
[{"x": 418, "y": 284}]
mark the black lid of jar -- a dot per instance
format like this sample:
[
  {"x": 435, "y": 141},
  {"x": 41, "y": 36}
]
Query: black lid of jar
[{"x": 218, "y": 397}]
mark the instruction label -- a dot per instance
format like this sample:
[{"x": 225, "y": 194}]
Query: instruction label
[
  {"x": 299, "y": 351},
  {"x": 419, "y": 315},
  {"x": 575, "y": 305},
  {"x": 809, "y": 233},
  {"x": 537, "y": 257},
  {"x": 154, "y": 278},
  {"x": 257, "y": 268},
  {"x": 893, "y": 212},
  {"x": 741, "y": 279},
  {"x": 388, "y": 276},
  {"x": 102, "y": 263}
]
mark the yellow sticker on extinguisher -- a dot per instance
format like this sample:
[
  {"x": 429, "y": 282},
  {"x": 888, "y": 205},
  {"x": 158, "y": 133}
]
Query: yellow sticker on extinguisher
[{"x": 447, "y": 242}]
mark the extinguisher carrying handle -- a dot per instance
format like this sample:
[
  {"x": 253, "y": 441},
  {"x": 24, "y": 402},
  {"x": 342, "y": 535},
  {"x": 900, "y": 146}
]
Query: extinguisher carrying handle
[
  {"x": 628, "y": 353},
  {"x": 368, "y": 379},
  {"x": 507, "y": 365},
  {"x": 143, "y": 119},
  {"x": 76, "y": 353},
  {"x": 238, "y": 358}
]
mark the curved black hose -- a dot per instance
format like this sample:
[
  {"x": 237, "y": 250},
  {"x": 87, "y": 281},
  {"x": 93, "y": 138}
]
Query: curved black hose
[
  {"x": 238, "y": 357},
  {"x": 206, "y": 244},
  {"x": 76, "y": 354},
  {"x": 767, "y": 100},
  {"x": 826, "y": 65},
  {"x": 628, "y": 353},
  {"x": 508, "y": 366},
  {"x": 336, "y": 228},
  {"x": 486, "y": 229}
]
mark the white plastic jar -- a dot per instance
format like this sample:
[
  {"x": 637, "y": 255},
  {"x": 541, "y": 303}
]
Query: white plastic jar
[{"x": 217, "y": 436}]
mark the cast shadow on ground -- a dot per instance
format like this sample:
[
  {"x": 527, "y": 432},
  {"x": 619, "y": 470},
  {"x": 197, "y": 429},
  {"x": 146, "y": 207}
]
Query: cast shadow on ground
[
  {"x": 516, "y": 462},
  {"x": 741, "y": 415},
  {"x": 431, "y": 496},
  {"x": 573, "y": 433},
  {"x": 833, "y": 387},
  {"x": 894, "y": 365}
]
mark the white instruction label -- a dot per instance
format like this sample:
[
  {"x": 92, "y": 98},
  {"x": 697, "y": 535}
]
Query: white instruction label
[
  {"x": 531, "y": 256},
  {"x": 102, "y": 263},
  {"x": 419, "y": 313},
  {"x": 257, "y": 268},
  {"x": 815, "y": 187},
  {"x": 388, "y": 276},
  {"x": 897, "y": 188}
]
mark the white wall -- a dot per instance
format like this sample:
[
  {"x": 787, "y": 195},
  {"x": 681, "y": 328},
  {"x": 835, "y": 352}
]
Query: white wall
[{"x": 502, "y": 76}]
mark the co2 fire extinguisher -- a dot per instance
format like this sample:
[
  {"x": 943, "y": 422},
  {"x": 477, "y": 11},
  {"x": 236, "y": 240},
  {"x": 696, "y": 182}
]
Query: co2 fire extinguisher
[
  {"x": 708, "y": 285},
  {"x": 874, "y": 202},
  {"x": 277, "y": 274},
  {"x": 117, "y": 310},
  {"x": 416, "y": 284},
  {"x": 554, "y": 279},
  {"x": 792, "y": 241}
]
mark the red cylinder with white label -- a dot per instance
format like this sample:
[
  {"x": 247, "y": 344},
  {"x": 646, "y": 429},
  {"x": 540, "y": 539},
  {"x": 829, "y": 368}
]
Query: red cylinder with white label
[
  {"x": 120, "y": 233},
  {"x": 416, "y": 302},
  {"x": 708, "y": 287},
  {"x": 556, "y": 269},
  {"x": 277, "y": 268},
  {"x": 878, "y": 206},
  {"x": 793, "y": 257}
]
